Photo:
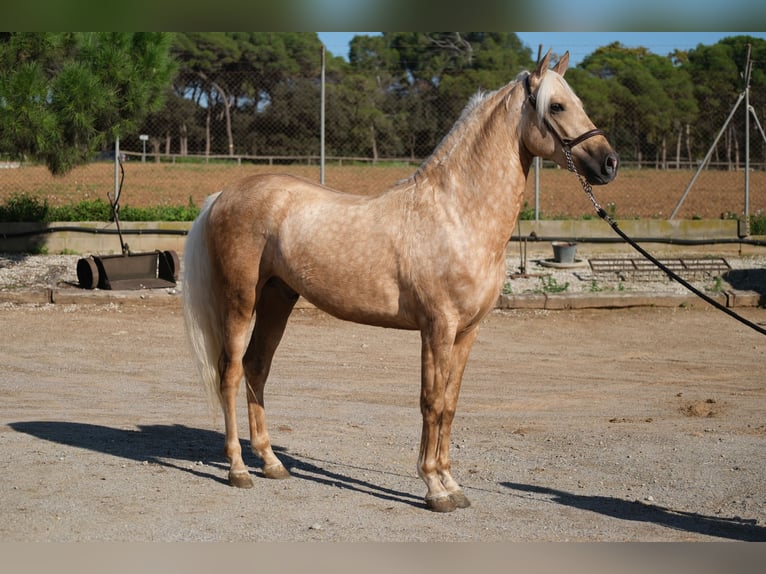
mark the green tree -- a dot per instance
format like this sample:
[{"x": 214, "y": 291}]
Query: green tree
[
  {"x": 717, "y": 75},
  {"x": 679, "y": 110},
  {"x": 361, "y": 122},
  {"x": 207, "y": 62},
  {"x": 64, "y": 96},
  {"x": 644, "y": 90},
  {"x": 424, "y": 79},
  {"x": 236, "y": 75}
]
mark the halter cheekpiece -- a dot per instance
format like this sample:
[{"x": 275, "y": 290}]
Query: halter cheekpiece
[{"x": 568, "y": 143}]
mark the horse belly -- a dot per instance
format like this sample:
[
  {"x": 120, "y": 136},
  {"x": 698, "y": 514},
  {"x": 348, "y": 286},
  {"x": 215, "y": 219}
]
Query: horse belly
[
  {"x": 361, "y": 298},
  {"x": 348, "y": 274}
]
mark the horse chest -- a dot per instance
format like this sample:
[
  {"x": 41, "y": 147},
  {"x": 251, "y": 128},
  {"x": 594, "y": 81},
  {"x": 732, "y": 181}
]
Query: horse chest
[{"x": 469, "y": 283}]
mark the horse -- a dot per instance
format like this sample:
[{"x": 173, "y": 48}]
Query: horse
[{"x": 426, "y": 254}]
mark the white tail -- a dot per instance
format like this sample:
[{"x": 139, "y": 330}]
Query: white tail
[{"x": 200, "y": 307}]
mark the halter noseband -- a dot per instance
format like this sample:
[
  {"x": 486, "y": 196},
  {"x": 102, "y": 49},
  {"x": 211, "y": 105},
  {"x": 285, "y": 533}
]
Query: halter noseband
[{"x": 567, "y": 143}]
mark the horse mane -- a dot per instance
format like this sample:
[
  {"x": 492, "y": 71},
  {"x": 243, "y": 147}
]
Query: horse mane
[
  {"x": 465, "y": 125},
  {"x": 472, "y": 120}
]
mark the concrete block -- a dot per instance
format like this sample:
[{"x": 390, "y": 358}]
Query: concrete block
[
  {"x": 26, "y": 296},
  {"x": 527, "y": 301}
]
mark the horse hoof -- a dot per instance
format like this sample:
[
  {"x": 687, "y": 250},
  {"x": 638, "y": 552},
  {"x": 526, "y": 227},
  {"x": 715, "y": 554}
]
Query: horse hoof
[
  {"x": 276, "y": 471},
  {"x": 459, "y": 499},
  {"x": 443, "y": 503},
  {"x": 240, "y": 479}
]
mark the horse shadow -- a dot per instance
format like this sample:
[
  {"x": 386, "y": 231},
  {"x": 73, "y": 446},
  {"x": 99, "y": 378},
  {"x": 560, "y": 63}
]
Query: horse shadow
[
  {"x": 183, "y": 448},
  {"x": 735, "y": 528}
]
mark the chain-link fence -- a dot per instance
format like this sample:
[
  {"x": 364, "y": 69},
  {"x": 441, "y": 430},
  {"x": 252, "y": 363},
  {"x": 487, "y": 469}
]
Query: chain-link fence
[{"x": 207, "y": 136}]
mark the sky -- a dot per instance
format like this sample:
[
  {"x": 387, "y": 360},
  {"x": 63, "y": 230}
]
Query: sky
[{"x": 579, "y": 44}]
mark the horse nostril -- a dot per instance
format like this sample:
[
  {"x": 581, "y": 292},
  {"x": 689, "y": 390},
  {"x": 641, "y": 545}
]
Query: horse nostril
[{"x": 611, "y": 163}]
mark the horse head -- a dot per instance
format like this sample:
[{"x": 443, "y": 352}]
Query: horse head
[{"x": 555, "y": 125}]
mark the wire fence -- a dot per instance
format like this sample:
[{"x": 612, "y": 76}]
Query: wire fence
[{"x": 202, "y": 140}]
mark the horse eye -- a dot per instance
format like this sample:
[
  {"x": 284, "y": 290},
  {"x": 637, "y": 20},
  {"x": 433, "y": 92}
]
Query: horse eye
[{"x": 556, "y": 108}]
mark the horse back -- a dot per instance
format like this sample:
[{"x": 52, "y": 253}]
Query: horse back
[{"x": 340, "y": 251}]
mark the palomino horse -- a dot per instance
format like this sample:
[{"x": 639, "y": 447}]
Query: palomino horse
[{"x": 427, "y": 254}]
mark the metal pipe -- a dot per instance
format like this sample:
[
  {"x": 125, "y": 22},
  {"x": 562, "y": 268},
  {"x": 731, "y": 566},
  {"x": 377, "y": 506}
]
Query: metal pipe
[
  {"x": 747, "y": 138},
  {"x": 116, "y": 171},
  {"x": 322, "y": 120},
  {"x": 535, "y": 239}
]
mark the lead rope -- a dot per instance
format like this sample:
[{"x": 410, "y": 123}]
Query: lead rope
[{"x": 606, "y": 217}]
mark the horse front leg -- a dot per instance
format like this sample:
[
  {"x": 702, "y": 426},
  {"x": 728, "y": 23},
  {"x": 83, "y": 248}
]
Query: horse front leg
[
  {"x": 458, "y": 360},
  {"x": 437, "y": 345}
]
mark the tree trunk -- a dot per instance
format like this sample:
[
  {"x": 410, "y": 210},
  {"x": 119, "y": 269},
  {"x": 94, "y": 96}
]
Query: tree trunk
[
  {"x": 207, "y": 131},
  {"x": 155, "y": 143},
  {"x": 689, "y": 146},
  {"x": 374, "y": 144},
  {"x": 227, "y": 115},
  {"x": 183, "y": 139}
]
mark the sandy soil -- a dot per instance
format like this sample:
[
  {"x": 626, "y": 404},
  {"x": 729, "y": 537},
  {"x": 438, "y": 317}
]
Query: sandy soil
[{"x": 637, "y": 424}]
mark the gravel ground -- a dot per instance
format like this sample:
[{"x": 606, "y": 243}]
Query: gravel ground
[
  {"x": 20, "y": 271},
  {"x": 573, "y": 425}
]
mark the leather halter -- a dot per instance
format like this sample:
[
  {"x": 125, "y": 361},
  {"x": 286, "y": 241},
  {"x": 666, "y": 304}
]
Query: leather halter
[{"x": 568, "y": 143}]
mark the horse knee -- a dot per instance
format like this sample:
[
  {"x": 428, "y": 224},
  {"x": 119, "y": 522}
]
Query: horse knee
[{"x": 432, "y": 407}]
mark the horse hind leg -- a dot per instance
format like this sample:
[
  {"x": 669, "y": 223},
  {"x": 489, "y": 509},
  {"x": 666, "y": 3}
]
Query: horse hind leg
[
  {"x": 275, "y": 303},
  {"x": 232, "y": 371}
]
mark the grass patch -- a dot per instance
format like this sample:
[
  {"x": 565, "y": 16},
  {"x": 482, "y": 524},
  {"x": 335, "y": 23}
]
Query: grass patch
[
  {"x": 551, "y": 285},
  {"x": 22, "y": 207},
  {"x": 758, "y": 223}
]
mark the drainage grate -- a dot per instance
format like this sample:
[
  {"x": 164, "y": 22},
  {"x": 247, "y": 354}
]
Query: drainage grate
[{"x": 644, "y": 270}]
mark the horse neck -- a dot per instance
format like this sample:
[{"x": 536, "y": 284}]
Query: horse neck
[{"x": 481, "y": 166}]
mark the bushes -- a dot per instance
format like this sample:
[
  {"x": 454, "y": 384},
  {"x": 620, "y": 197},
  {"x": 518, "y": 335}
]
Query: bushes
[
  {"x": 24, "y": 207},
  {"x": 758, "y": 223}
]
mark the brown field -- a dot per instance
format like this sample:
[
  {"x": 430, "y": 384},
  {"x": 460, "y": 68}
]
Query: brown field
[{"x": 635, "y": 193}]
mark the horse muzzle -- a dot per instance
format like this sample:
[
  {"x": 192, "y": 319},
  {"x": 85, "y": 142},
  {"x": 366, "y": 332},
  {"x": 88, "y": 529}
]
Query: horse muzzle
[
  {"x": 608, "y": 169},
  {"x": 597, "y": 173}
]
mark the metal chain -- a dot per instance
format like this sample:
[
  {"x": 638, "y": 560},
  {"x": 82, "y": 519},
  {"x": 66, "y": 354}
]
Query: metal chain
[
  {"x": 605, "y": 216},
  {"x": 588, "y": 189}
]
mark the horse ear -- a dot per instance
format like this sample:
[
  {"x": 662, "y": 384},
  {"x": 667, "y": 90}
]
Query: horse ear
[
  {"x": 542, "y": 64},
  {"x": 561, "y": 66}
]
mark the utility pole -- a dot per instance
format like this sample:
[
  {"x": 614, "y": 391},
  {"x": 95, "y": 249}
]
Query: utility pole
[
  {"x": 322, "y": 119},
  {"x": 746, "y": 216}
]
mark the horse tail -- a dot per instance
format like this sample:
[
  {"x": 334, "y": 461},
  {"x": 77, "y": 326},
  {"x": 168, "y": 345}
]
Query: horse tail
[{"x": 203, "y": 326}]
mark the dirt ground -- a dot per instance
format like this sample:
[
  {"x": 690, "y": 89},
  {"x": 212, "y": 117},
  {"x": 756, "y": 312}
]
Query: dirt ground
[{"x": 638, "y": 424}]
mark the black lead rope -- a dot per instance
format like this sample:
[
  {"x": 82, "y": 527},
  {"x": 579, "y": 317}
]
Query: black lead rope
[{"x": 605, "y": 216}]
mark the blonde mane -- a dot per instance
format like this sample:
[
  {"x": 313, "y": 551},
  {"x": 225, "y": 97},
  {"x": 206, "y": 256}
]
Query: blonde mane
[
  {"x": 466, "y": 124},
  {"x": 546, "y": 88}
]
